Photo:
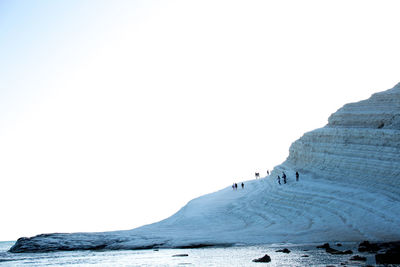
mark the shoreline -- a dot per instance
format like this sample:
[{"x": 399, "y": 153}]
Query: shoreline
[{"x": 302, "y": 254}]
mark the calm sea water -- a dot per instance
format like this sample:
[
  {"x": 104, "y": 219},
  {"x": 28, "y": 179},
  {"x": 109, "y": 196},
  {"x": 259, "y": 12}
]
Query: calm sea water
[{"x": 232, "y": 256}]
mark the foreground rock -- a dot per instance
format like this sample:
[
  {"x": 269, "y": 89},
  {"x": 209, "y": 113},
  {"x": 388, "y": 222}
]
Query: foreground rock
[
  {"x": 390, "y": 257},
  {"x": 358, "y": 258},
  {"x": 266, "y": 258},
  {"x": 366, "y": 246},
  {"x": 333, "y": 251},
  {"x": 285, "y": 250},
  {"x": 391, "y": 254},
  {"x": 325, "y": 246}
]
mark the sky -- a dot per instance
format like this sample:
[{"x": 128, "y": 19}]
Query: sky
[{"x": 115, "y": 114}]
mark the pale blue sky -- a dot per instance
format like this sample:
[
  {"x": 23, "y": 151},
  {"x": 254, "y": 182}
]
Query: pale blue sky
[{"x": 116, "y": 113}]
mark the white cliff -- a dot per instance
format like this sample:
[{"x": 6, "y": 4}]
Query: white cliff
[{"x": 348, "y": 191}]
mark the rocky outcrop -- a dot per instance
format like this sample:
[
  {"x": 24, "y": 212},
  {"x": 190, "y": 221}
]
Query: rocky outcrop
[
  {"x": 366, "y": 246},
  {"x": 285, "y": 250},
  {"x": 333, "y": 251},
  {"x": 265, "y": 258},
  {"x": 360, "y": 145},
  {"x": 391, "y": 256},
  {"x": 358, "y": 258}
]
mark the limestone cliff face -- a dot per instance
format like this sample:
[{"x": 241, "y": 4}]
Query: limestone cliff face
[
  {"x": 380, "y": 111},
  {"x": 360, "y": 145},
  {"x": 349, "y": 190}
]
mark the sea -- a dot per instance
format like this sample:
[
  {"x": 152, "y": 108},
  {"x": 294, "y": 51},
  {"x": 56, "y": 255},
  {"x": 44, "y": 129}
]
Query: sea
[{"x": 300, "y": 255}]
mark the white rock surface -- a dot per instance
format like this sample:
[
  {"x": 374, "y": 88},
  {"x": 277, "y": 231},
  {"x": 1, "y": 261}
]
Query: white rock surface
[{"x": 348, "y": 191}]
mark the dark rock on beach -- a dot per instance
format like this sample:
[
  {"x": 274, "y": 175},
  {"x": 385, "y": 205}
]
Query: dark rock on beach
[
  {"x": 358, "y": 258},
  {"x": 366, "y": 246},
  {"x": 180, "y": 255},
  {"x": 389, "y": 252},
  {"x": 333, "y": 251},
  {"x": 266, "y": 258},
  {"x": 305, "y": 256},
  {"x": 391, "y": 256},
  {"x": 387, "y": 258},
  {"x": 285, "y": 250},
  {"x": 338, "y": 245},
  {"x": 338, "y": 252},
  {"x": 326, "y": 245}
]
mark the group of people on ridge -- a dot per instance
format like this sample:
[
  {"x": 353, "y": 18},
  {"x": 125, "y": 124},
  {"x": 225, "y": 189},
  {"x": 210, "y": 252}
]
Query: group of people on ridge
[
  {"x": 235, "y": 186},
  {"x": 284, "y": 178}
]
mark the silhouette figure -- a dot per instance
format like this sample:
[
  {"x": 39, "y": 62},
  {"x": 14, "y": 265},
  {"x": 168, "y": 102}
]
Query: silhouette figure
[
  {"x": 297, "y": 176},
  {"x": 279, "y": 180},
  {"x": 257, "y": 175},
  {"x": 242, "y": 185}
]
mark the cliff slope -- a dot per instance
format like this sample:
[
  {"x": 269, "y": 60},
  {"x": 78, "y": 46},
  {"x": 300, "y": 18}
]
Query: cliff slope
[{"x": 348, "y": 191}]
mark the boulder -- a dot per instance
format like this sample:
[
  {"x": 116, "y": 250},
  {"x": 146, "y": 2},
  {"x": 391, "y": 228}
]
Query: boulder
[
  {"x": 326, "y": 245},
  {"x": 389, "y": 257},
  {"x": 266, "y": 258},
  {"x": 285, "y": 250},
  {"x": 366, "y": 246},
  {"x": 338, "y": 252},
  {"x": 358, "y": 258}
]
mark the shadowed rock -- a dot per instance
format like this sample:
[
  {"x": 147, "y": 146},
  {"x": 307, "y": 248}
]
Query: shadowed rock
[
  {"x": 266, "y": 258},
  {"x": 338, "y": 252},
  {"x": 366, "y": 246},
  {"x": 285, "y": 250},
  {"x": 326, "y": 245},
  {"x": 333, "y": 251},
  {"x": 391, "y": 256},
  {"x": 358, "y": 258}
]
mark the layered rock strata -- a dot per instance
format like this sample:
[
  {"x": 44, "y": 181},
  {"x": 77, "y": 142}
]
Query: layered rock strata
[{"x": 359, "y": 146}]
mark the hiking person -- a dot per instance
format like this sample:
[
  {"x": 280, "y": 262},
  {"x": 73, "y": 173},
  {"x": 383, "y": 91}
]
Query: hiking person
[
  {"x": 257, "y": 175},
  {"x": 267, "y": 172},
  {"x": 297, "y": 176},
  {"x": 284, "y": 177},
  {"x": 235, "y": 186},
  {"x": 242, "y": 185},
  {"x": 279, "y": 180}
]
